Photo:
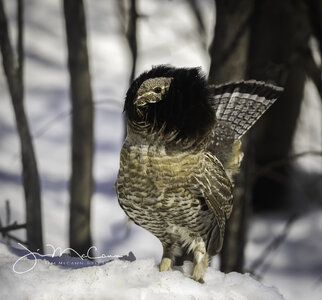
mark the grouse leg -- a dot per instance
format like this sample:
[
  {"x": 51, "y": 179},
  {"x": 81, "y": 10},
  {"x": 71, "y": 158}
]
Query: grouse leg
[
  {"x": 200, "y": 261},
  {"x": 167, "y": 259}
]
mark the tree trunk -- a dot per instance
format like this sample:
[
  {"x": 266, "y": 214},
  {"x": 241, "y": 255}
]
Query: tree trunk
[
  {"x": 81, "y": 186},
  {"x": 14, "y": 74},
  {"x": 265, "y": 40},
  {"x": 229, "y": 54},
  {"x": 279, "y": 53},
  {"x": 229, "y": 48},
  {"x": 131, "y": 37},
  {"x": 315, "y": 12}
]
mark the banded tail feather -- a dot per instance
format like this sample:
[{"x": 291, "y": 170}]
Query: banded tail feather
[
  {"x": 237, "y": 107},
  {"x": 241, "y": 104}
]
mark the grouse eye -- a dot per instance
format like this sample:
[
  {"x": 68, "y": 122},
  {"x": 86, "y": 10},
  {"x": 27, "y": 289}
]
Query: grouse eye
[{"x": 157, "y": 90}]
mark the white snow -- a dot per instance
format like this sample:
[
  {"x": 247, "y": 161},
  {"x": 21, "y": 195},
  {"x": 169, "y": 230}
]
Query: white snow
[
  {"x": 69, "y": 278},
  {"x": 167, "y": 34}
]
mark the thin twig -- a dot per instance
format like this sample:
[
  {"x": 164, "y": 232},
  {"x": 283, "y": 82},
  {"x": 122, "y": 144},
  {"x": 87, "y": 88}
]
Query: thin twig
[
  {"x": 11, "y": 227},
  {"x": 8, "y": 214},
  {"x": 3, "y": 234},
  {"x": 67, "y": 113},
  {"x": 272, "y": 247},
  {"x": 63, "y": 114},
  {"x": 317, "y": 283},
  {"x": 277, "y": 163}
]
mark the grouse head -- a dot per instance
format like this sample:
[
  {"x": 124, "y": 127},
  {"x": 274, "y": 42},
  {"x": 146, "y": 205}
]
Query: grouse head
[{"x": 169, "y": 101}]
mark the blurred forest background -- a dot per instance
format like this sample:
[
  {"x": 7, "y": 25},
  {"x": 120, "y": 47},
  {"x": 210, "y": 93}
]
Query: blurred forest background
[{"x": 66, "y": 66}]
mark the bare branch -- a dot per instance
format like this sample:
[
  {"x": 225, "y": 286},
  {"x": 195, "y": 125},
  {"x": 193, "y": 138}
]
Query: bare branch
[
  {"x": 67, "y": 113},
  {"x": 3, "y": 235},
  {"x": 273, "y": 246},
  {"x": 11, "y": 227},
  {"x": 8, "y": 214},
  {"x": 277, "y": 163}
]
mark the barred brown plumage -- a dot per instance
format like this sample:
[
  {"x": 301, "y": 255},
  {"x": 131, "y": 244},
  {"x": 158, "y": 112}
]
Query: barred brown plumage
[{"x": 179, "y": 156}]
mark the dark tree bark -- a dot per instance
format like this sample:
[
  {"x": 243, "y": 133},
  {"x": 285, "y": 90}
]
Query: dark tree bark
[
  {"x": 264, "y": 40},
  {"x": 131, "y": 37},
  {"x": 81, "y": 186},
  {"x": 279, "y": 53},
  {"x": 229, "y": 48},
  {"x": 229, "y": 54},
  {"x": 128, "y": 26},
  {"x": 13, "y": 69},
  {"x": 315, "y": 15}
]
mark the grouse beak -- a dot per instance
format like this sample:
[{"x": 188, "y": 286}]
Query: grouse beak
[
  {"x": 140, "y": 101},
  {"x": 149, "y": 97}
]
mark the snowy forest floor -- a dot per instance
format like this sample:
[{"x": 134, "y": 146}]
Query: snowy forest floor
[
  {"x": 118, "y": 279},
  {"x": 294, "y": 268}
]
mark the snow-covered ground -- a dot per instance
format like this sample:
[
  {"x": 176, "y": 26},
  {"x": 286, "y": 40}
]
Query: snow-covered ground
[
  {"x": 167, "y": 34},
  {"x": 119, "y": 279}
]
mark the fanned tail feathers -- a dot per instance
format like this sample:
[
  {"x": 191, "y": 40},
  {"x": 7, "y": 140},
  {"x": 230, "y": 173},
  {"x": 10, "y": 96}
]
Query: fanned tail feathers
[
  {"x": 241, "y": 104},
  {"x": 238, "y": 106}
]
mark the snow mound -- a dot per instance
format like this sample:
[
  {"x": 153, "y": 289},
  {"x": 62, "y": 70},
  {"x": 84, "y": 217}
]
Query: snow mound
[{"x": 119, "y": 280}]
